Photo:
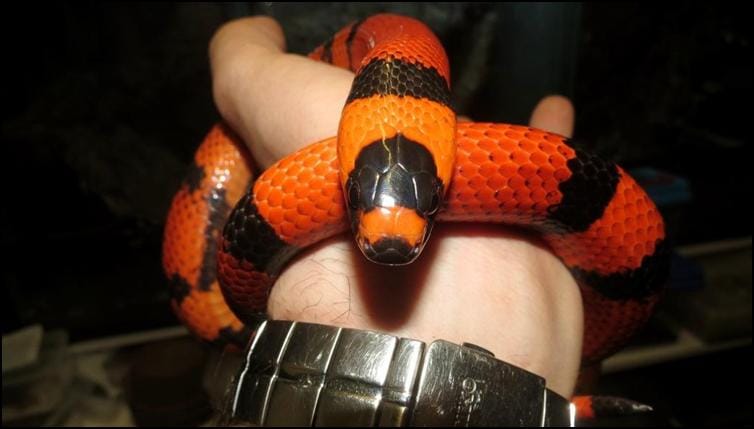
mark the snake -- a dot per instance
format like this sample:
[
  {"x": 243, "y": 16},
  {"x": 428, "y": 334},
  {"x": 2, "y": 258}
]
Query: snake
[{"x": 399, "y": 163}]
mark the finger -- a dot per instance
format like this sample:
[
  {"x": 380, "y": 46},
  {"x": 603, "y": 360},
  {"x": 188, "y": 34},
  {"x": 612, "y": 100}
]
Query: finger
[
  {"x": 276, "y": 102},
  {"x": 554, "y": 113}
]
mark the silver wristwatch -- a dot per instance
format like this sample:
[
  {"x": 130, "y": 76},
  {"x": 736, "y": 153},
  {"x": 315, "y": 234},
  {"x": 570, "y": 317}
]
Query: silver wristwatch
[{"x": 303, "y": 374}]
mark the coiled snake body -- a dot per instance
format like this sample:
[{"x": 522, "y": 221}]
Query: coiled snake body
[{"x": 399, "y": 163}]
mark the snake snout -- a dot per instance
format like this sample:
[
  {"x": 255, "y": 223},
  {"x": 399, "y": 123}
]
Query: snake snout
[{"x": 392, "y": 236}]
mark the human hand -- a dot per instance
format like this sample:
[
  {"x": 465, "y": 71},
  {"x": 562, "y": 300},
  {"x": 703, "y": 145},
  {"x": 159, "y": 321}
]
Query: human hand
[{"x": 484, "y": 284}]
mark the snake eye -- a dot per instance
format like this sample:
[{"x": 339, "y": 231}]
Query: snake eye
[
  {"x": 428, "y": 191},
  {"x": 354, "y": 194},
  {"x": 434, "y": 205}
]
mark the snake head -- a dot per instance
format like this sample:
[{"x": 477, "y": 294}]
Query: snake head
[{"x": 393, "y": 195}]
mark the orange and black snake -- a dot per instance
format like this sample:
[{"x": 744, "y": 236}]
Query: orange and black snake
[{"x": 399, "y": 163}]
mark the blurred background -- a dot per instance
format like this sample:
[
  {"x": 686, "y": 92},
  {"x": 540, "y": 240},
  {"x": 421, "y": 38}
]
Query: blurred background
[{"x": 104, "y": 105}]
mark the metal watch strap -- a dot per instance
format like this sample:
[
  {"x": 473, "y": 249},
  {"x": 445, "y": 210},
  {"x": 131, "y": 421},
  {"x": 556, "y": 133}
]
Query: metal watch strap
[{"x": 302, "y": 374}]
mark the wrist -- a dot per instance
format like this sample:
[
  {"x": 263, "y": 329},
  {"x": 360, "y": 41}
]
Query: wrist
[{"x": 473, "y": 284}]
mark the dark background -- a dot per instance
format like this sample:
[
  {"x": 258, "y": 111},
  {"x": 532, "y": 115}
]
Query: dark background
[{"x": 103, "y": 105}]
